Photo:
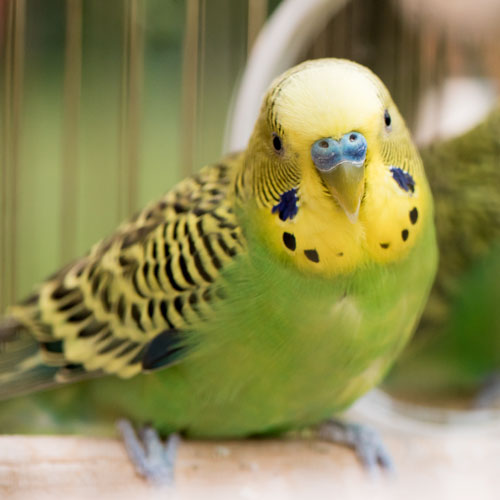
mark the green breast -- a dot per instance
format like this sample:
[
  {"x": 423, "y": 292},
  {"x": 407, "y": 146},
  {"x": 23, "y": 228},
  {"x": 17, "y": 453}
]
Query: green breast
[{"x": 284, "y": 349}]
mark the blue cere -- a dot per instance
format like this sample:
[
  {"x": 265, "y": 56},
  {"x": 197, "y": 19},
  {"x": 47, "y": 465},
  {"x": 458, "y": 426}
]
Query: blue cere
[
  {"x": 404, "y": 179},
  {"x": 287, "y": 207},
  {"x": 327, "y": 153},
  {"x": 354, "y": 147}
]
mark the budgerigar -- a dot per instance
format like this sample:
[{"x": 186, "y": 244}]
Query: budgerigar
[{"x": 263, "y": 294}]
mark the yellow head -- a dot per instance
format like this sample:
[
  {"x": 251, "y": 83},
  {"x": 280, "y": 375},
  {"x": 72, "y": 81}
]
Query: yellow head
[{"x": 335, "y": 179}]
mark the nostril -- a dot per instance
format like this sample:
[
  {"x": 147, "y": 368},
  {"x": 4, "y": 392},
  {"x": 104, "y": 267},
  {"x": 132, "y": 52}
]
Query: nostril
[
  {"x": 324, "y": 152},
  {"x": 353, "y": 137}
]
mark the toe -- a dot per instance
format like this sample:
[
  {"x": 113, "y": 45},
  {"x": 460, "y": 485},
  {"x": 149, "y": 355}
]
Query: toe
[
  {"x": 366, "y": 443},
  {"x": 151, "y": 458}
]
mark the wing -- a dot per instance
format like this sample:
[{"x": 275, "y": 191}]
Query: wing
[{"x": 127, "y": 304}]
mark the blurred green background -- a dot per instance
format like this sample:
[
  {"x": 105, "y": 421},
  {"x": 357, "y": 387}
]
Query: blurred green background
[{"x": 104, "y": 105}]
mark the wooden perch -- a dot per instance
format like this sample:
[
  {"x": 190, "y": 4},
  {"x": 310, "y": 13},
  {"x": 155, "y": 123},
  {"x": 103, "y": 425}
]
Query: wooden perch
[{"x": 443, "y": 465}]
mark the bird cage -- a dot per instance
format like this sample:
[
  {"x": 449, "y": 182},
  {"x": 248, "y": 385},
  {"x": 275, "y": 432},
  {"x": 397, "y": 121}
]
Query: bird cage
[{"x": 105, "y": 105}]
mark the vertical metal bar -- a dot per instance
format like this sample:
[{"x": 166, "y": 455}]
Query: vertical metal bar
[
  {"x": 395, "y": 40},
  {"x": 134, "y": 107},
  {"x": 201, "y": 83},
  {"x": 257, "y": 13},
  {"x": 14, "y": 77},
  {"x": 17, "y": 96},
  {"x": 348, "y": 31},
  {"x": 353, "y": 34},
  {"x": 72, "y": 94},
  {"x": 430, "y": 66},
  {"x": 427, "y": 52},
  {"x": 190, "y": 86},
  {"x": 4, "y": 184},
  {"x": 122, "y": 153},
  {"x": 131, "y": 106},
  {"x": 403, "y": 63},
  {"x": 320, "y": 47},
  {"x": 442, "y": 70}
]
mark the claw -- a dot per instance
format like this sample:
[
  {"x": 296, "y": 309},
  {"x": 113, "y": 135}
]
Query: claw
[
  {"x": 152, "y": 459},
  {"x": 489, "y": 393},
  {"x": 366, "y": 442}
]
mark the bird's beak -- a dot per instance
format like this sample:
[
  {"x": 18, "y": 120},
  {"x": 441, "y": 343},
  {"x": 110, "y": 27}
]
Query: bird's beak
[{"x": 341, "y": 165}]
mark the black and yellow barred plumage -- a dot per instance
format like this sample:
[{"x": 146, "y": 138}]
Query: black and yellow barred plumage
[{"x": 155, "y": 273}]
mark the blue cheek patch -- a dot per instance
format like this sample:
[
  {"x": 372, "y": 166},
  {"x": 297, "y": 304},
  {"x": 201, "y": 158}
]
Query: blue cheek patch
[
  {"x": 404, "y": 179},
  {"x": 287, "y": 207}
]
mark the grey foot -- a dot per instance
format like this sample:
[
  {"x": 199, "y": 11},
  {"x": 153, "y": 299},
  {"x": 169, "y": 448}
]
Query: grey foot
[
  {"x": 489, "y": 393},
  {"x": 365, "y": 441},
  {"x": 151, "y": 458}
]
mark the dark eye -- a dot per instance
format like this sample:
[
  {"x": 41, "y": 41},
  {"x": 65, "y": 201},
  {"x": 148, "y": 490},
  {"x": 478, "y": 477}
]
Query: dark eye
[
  {"x": 277, "y": 145},
  {"x": 387, "y": 119}
]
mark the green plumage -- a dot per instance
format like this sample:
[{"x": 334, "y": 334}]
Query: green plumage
[
  {"x": 216, "y": 325},
  {"x": 457, "y": 346},
  {"x": 467, "y": 205}
]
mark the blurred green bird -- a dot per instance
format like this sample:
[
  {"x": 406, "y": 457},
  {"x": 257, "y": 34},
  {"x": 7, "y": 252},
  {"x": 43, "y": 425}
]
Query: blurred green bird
[{"x": 456, "y": 352}]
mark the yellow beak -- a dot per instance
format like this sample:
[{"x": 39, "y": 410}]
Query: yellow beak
[{"x": 341, "y": 165}]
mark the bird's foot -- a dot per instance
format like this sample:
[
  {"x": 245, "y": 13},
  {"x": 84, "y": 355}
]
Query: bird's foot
[
  {"x": 366, "y": 443},
  {"x": 489, "y": 394},
  {"x": 152, "y": 458}
]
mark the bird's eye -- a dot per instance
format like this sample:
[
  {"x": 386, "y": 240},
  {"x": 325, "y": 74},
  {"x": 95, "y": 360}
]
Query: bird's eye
[
  {"x": 387, "y": 119},
  {"x": 277, "y": 145}
]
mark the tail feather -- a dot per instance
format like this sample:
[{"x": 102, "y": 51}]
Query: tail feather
[
  {"x": 9, "y": 328},
  {"x": 22, "y": 367}
]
